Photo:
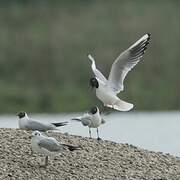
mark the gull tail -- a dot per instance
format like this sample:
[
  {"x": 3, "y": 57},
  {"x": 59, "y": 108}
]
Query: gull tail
[
  {"x": 76, "y": 119},
  {"x": 71, "y": 148},
  {"x": 121, "y": 105},
  {"x": 60, "y": 124}
]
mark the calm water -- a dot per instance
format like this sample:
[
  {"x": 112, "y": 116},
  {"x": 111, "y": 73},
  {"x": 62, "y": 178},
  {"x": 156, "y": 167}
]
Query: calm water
[{"x": 159, "y": 131}]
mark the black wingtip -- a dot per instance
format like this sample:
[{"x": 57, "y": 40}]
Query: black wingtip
[
  {"x": 60, "y": 124},
  {"x": 149, "y": 35},
  {"x": 75, "y": 119},
  {"x": 72, "y": 148}
]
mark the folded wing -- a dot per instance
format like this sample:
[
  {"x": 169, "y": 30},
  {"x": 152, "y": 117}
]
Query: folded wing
[
  {"x": 50, "y": 144},
  {"x": 35, "y": 125},
  {"x": 85, "y": 120},
  {"x": 125, "y": 62}
]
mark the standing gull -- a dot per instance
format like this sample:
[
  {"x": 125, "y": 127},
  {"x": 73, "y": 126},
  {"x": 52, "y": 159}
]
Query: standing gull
[
  {"x": 30, "y": 124},
  {"x": 48, "y": 146},
  {"x": 92, "y": 119},
  {"x": 107, "y": 89}
]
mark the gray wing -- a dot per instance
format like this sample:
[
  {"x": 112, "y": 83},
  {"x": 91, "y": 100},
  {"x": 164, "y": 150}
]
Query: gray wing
[
  {"x": 125, "y": 62},
  {"x": 50, "y": 144},
  {"x": 35, "y": 125},
  {"x": 86, "y": 121},
  {"x": 96, "y": 72}
]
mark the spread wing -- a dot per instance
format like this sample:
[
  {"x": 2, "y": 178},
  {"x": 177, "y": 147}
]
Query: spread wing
[
  {"x": 125, "y": 62},
  {"x": 96, "y": 72},
  {"x": 50, "y": 144}
]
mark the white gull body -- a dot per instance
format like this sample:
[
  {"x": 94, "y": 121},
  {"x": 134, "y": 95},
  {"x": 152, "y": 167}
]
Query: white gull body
[
  {"x": 92, "y": 119},
  {"x": 107, "y": 89}
]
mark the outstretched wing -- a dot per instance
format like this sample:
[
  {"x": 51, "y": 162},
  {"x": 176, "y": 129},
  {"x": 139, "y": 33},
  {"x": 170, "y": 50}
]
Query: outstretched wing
[
  {"x": 125, "y": 62},
  {"x": 96, "y": 72}
]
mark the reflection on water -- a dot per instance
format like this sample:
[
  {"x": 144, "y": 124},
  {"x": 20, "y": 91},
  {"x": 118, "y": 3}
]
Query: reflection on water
[{"x": 157, "y": 131}]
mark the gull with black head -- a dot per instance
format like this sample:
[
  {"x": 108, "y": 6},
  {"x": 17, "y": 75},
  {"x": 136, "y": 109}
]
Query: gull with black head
[
  {"x": 92, "y": 119},
  {"x": 27, "y": 123},
  {"x": 107, "y": 89}
]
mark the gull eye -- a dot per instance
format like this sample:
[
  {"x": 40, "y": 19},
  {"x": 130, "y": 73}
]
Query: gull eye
[
  {"x": 36, "y": 134},
  {"x": 93, "y": 110}
]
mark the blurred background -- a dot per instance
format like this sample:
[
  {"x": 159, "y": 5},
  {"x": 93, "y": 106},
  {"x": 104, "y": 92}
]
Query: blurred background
[
  {"x": 44, "y": 66},
  {"x": 44, "y": 46}
]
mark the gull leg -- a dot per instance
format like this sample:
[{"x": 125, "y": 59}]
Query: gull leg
[
  {"x": 98, "y": 135},
  {"x": 90, "y": 132},
  {"x": 46, "y": 161}
]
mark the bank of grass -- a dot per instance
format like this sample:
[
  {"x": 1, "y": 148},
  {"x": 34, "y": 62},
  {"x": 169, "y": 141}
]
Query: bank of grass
[
  {"x": 64, "y": 100},
  {"x": 44, "y": 47}
]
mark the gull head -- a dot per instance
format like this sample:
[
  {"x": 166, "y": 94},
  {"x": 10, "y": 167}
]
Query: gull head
[
  {"x": 36, "y": 133},
  {"x": 94, "y": 110},
  {"x": 21, "y": 114},
  {"x": 93, "y": 83}
]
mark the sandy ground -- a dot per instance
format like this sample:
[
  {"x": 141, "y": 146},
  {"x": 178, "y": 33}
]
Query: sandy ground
[{"x": 96, "y": 160}]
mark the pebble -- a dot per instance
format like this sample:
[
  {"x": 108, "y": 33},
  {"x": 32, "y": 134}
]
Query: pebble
[{"x": 96, "y": 160}]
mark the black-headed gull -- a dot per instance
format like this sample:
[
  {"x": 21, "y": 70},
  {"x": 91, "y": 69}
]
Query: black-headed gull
[
  {"x": 30, "y": 124},
  {"x": 48, "y": 146},
  {"x": 107, "y": 89},
  {"x": 92, "y": 119}
]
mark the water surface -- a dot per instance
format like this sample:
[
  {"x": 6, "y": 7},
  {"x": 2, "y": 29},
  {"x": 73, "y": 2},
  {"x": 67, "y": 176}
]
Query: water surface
[{"x": 157, "y": 131}]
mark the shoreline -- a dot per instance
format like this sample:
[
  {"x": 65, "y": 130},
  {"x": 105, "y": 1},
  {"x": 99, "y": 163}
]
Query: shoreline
[{"x": 96, "y": 160}]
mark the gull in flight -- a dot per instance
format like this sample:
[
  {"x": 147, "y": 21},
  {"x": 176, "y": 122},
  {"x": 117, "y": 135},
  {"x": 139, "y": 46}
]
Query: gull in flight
[
  {"x": 30, "y": 124},
  {"x": 107, "y": 89},
  {"x": 92, "y": 119},
  {"x": 48, "y": 146}
]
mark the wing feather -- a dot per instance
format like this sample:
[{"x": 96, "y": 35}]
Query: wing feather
[
  {"x": 50, "y": 144},
  {"x": 96, "y": 72},
  {"x": 35, "y": 125},
  {"x": 125, "y": 62},
  {"x": 85, "y": 119}
]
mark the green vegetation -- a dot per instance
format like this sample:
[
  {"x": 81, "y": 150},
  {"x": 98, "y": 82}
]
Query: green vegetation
[{"x": 44, "y": 46}]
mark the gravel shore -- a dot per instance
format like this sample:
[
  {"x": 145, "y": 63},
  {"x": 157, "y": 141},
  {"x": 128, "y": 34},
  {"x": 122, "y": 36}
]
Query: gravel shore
[{"x": 96, "y": 160}]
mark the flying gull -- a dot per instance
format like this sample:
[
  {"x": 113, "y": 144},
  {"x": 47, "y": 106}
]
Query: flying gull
[{"x": 107, "y": 89}]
